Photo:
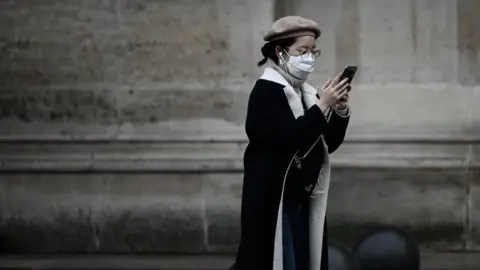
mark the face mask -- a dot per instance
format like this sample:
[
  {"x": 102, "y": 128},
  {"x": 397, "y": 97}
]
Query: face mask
[{"x": 300, "y": 66}]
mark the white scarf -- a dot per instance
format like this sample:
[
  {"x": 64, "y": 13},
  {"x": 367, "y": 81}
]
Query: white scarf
[{"x": 318, "y": 201}]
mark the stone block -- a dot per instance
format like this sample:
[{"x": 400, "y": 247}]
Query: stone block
[
  {"x": 411, "y": 111},
  {"x": 42, "y": 214},
  {"x": 65, "y": 233},
  {"x": 63, "y": 42},
  {"x": 348, "y": 36},
  {"x": 7, "y": 46},
  {"x": 468, "y": 36},
  {"x": 402, "y": 155},
  {"x": 473, "y": 237},
  {"x": 326, "y": 14},
  {"x": 400, "y": 42},
  {"x": 7, "y": 15},
  {"x": 434, "y": 41},
  {"x": 148, "y": 230},
  {"x": 158, "y": 213},
  {"x": 263, "y": 14},
  {"x": 121, "y": 106},
  {"x": 430, "y": 204},
  {"x": 475, "y": 115},
  {"x": 223, "y": 212},
  {"x": 65, "y": 213},
  {"x": 94, "y": 106},
  {"x": 152, "y": 106},
  {"x": 164, "y": 45},
  {"x": 386, "y": 41}
]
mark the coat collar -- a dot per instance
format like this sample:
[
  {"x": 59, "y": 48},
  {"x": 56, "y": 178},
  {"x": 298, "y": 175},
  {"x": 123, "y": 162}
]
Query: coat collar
[{"x": 308, "y": 92}]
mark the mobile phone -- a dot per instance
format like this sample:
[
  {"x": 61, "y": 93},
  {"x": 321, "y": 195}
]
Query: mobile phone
[{"x": 349, "y": 73}]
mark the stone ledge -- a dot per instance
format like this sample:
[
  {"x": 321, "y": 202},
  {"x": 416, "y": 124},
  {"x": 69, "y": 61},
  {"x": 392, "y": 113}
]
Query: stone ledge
[{"x": 226, "y": 156}]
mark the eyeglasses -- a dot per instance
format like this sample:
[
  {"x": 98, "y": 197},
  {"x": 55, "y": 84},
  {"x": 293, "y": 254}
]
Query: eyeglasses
[{"x": 301, "y": 53}]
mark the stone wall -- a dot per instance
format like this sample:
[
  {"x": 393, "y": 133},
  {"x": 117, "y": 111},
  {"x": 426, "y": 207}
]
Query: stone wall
[{"x": 121, "y": 122}]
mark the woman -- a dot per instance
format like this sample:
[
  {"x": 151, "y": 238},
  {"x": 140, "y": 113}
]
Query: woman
[{"x": 292, "y": 128}]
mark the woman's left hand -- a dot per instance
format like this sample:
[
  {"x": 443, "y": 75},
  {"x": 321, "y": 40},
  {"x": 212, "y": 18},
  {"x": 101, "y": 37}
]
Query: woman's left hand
[{"x": 343, "y": 102}]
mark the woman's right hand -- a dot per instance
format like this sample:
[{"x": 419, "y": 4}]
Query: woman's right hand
[{"x": 332, "y": 92}]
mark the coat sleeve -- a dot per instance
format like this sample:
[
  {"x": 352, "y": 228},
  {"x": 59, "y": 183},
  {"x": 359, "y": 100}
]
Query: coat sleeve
[
  {"x": 337, "y": 128},
  {"x": 271, "y": 121}
]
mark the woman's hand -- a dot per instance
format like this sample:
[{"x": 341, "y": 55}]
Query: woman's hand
[
  {"x": 332, "y": 92},
  {"x": 343, "y": 102}
]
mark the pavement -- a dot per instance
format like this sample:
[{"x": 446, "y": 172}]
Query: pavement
[{"x": 430, "y": 261}]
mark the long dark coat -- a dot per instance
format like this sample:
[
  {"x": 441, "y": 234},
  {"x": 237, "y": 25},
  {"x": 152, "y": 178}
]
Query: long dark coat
[{"x": 277, "y": 128}]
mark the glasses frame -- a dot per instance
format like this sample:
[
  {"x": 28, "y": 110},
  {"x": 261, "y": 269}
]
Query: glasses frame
[{"x": 316, "y": 53}]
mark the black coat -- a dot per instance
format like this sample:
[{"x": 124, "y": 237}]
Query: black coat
[{"x": 275, "y": 135}]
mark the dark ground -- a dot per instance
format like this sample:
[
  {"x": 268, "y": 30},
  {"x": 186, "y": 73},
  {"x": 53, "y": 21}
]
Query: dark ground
[{"x": 432, "y": 261}]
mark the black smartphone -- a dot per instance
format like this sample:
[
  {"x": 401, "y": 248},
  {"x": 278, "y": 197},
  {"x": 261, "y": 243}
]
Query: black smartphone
[{"x": 349, "y": 73}]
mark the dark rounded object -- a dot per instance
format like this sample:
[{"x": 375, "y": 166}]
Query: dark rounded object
[
  {"x": 340, "y": 258},
  {"x": 387, "y": 248}
]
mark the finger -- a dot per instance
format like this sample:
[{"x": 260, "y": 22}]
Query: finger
[
  {"x": 332, "y": 84},
  {"x": 341, "y": 85},
  {"x": 327, "y": 83},
  {"x": 342, "y": 91},
  {"x": 335, "y": 80}
]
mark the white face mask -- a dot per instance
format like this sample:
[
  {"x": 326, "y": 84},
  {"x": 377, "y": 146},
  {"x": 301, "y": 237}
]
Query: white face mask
[{"x": 300, "y": 66}]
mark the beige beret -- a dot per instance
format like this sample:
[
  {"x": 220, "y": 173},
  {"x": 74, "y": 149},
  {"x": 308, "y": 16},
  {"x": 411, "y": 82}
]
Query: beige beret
[{"x": 292, "y": 26}]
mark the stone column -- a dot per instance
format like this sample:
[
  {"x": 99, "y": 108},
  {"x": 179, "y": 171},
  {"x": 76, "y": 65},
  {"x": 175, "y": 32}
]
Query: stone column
[{"x": 412, "y": 114}]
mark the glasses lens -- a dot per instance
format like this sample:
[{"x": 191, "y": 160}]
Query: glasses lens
[{"x": 317, "y": 54}]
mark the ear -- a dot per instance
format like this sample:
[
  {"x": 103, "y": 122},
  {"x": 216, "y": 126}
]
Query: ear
[{"x": 280, "y": 54}]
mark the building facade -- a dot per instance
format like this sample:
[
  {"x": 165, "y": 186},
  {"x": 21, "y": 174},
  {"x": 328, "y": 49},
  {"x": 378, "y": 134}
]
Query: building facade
[{"x": 121, "y": 122}]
